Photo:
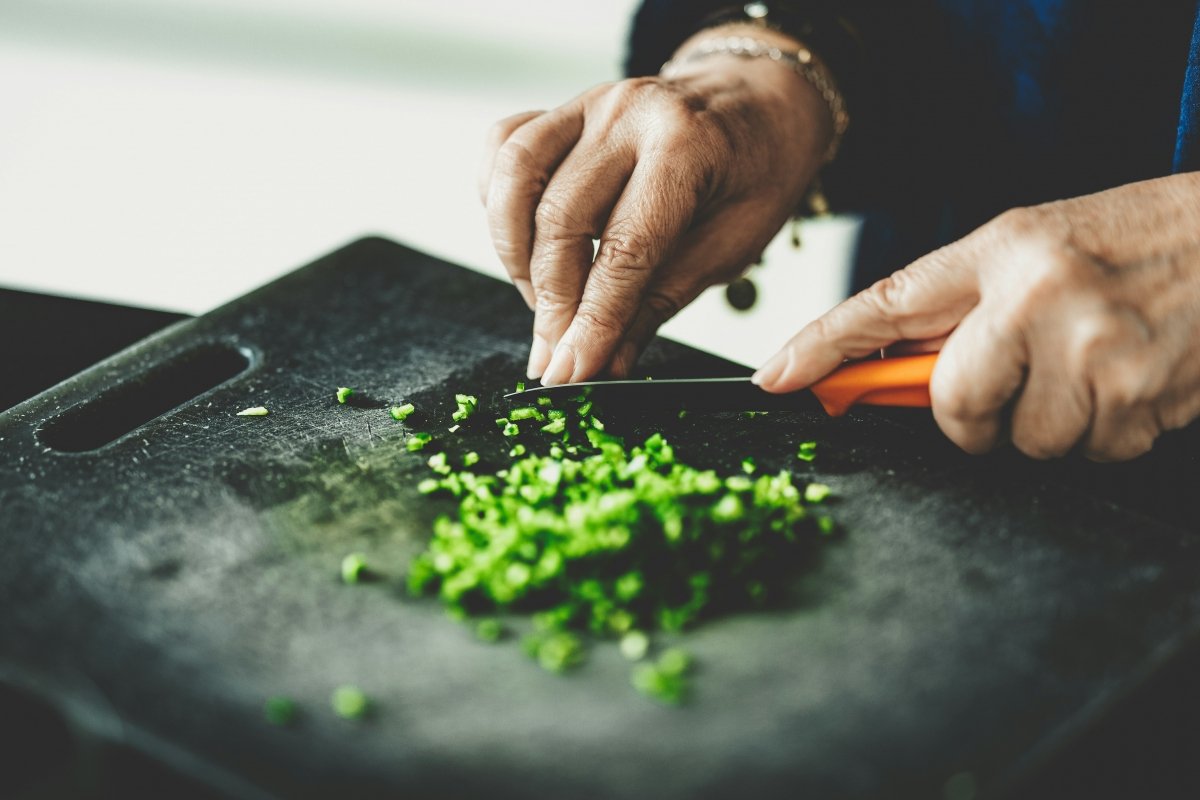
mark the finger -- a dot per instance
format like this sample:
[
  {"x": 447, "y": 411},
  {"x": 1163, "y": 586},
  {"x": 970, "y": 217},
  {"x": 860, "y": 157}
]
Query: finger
[
  {"x": 496, "y": 136},
  {"x": 908, "y": 348},
  {"x": 570, "y": 215},
  {"x": 922, "y": 301},
  {"x": 522, "y": 169},
  {"x": 1125, "y": 424},
  {"x": 1054, "y": 410},
  {"x": 720, "y": 249},
  {"x": 980, "y": 369},
  {"x": 652, "y": 213}
]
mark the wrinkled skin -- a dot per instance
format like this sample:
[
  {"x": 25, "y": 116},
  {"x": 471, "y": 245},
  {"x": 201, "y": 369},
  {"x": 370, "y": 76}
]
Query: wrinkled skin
[
  {"x": 683, "y": 182},
  {"x": 1074, "y": 324}
]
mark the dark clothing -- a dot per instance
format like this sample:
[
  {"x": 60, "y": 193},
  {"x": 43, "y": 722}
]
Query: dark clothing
[{"x": 965, "y": 108}]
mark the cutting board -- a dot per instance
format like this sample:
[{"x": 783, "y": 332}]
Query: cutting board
[{"x": 159, "y": 581}]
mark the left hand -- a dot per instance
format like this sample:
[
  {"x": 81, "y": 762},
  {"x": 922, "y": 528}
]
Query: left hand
[{"x": 1081, "y": 317}]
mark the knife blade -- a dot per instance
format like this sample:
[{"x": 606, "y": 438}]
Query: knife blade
[{"x": 900, "y": 381}]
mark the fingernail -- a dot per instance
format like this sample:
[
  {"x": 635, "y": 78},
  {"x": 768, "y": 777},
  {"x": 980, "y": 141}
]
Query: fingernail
[
  {"x": 526, "y": 290},
  {"x": 562, "y": 366},
  {"x": 769, "y": 371},
  {"x": 539, "y": 354}
]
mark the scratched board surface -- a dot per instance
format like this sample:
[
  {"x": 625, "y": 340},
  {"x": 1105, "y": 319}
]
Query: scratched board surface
[{"x": 973, "y": 613}]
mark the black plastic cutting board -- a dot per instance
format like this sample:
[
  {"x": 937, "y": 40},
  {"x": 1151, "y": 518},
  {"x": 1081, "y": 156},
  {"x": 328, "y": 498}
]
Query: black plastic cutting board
[{"x": 974, "y": 614}]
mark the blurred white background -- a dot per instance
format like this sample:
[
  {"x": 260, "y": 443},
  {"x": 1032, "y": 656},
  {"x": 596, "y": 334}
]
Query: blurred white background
[{"x": 179, "y": 153}]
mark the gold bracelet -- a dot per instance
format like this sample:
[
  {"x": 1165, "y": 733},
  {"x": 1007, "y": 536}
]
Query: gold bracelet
[{"x": 800, "y": 61}]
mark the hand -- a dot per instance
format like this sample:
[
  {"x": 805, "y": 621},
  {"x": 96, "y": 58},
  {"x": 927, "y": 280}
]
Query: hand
[
  {"x": 683, "y": 181},
  {"x": 1081, "y": 317}
]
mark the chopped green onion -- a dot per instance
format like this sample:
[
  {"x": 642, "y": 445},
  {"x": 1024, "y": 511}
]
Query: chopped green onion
[
  {"x": 354, "y": 568},
  {"x": 429, "y": 486},
  {"x": 807, "y": 451},
  {"x": 527, "y": 412},
  {"x": 418, "y": 441},
  {"x": 555, "y": 425},
  {"x": 511, "y": 429},
  {"x": 520, "y": 386},
  {"x": 279, "y": 710},
  {"x": 349, "y": 702},
  {"x": 517, "y": 450},
  {"x": 544, "y": 400},
  {"x": 634, "y": 645},
  {"x": 400, "y": 413},
  {"x": 453, "y": 428},
  {"x": 343, "y": 394},
  {"x": 470, "y": 459},
  {"x": 748, "y": 465},
  {"x": 816, "y": 492},
  {"x": 256, "y": 411},
  {"x": 489, "y": 630}
]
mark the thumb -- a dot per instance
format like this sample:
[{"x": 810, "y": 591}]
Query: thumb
[{"x": 925, "y": 300}]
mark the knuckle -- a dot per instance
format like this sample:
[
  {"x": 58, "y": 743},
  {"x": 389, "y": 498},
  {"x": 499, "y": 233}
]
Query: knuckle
[
  {"x": 888, "y": 299},
  {"x": 553, "y": 217},
  {"x": 598, "y": 321},
  {"x": 517, "y": 162},
  {"x": 1037, "y": 444},
  {"x": 1017, "y": 223},
  {"x": 661, "y": 305},
  {"x": 624, "y": 250}
]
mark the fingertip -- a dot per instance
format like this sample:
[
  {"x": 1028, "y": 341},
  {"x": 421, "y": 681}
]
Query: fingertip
[
  {"x": 561, "y": 368},
  {"x": 526, "y": 290},
  {"x": 539, "y": 356},
  {"x": 767, "y": 376}
]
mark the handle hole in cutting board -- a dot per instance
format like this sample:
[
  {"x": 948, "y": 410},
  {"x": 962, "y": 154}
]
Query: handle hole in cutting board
[{"x": 130, "y": 405}]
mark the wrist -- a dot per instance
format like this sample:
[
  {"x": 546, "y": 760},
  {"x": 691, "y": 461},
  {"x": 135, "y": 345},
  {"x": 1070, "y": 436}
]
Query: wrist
[{"x": 774, "y": 64}]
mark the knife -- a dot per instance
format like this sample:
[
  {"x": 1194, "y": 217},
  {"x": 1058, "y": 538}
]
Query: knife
[{"x": 900, "y": 381}]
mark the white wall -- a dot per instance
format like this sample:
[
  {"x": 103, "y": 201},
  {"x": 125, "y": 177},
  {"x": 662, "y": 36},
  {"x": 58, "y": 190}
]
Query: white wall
[{"x": 179, "y": 153}]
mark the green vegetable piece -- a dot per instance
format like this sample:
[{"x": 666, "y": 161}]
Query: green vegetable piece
[
  {"x": 256, "y": 411},
  {"x": 453, "y": 429},
  {"x": 470, "y": 459},
  {"x": 682, "y": 413},
  {"x": 585, "y": 408},
  {"x": 520, "y": 386},
  {"x": 417, "y": 442},
  {"x": 349, "y": 702},
  {"x": 816, "y": 492},
  {"x": 511, "y": 429},
  {"x": 279, "y": 710},
  {"x": 653, "y": 682},
  {"x": 400, "y": 413},
  {"x": 343, "y": 394},
  {"x": 558, "y": 652},
  {"x": 489, "y": 630},
  {"x": 517, "y": 450},
  {"x": 429, "y": 486},
  {"x": 501, "y": 422},
  {"x": 826, "y": 525},
  {"x": 555, "y": 425},
  {"x": 526, "y": 412},
  {"x": 634, "y": 645},
  {"x": 807, "y": 451},
  {"x": 544, "y": 401},
  {"x": 748, "y": 466},
  {"x": 354, "y": 568},
  {"x": 674, "y": 662}
]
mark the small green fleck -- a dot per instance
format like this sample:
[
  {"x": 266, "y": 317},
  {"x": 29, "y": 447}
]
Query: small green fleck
[
  {"x": 807, "y": 451},
  {"x": 517, "y": 450},
  {"x": 555, "y": 425},
  {"x": 428, "y": 486},
  {"x": 826, "y": 525},
  {"x": 343, "y": 394},
  {"x": 256, "y": 411},
  {"x": 816, "y": 492},
  {"x": 417, "y": 442},
  {"x": 520, "y": 386},
  {"x": 526, "y": 412},
  {"x": 354, "y": 568},
  {"x": 470, "y": 459},
  {"x": 682, "y": 413},
  {"x": 674, "y": 661},
  {"x": 634, "y": 645},
  {"x": 489, "y": 630},
  {"x": 349, "y": 702},
  {"x": 453, "y": 429},
  {"x": 279, "y": 710},
  {"x": 400, "y": 413},
  {"x": 558, "y": 652},
  {"x": 511, "y": 429},
  {"x": 748, "y": 466}
]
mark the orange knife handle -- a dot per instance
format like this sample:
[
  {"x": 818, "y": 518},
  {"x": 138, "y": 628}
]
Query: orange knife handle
[{"x": 900, "y": 381}]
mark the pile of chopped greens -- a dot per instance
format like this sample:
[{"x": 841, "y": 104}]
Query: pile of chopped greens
[{"x": 589, "y": 535}]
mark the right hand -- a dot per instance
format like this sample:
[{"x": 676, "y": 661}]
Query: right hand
[{"x": 684, "y": 182}]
